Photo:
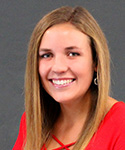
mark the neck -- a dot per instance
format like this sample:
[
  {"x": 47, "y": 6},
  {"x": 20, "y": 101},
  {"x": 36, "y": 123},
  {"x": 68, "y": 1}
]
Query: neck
[
  {"x": 72, "y": 119},
  {"x": 75, "y": 112}
]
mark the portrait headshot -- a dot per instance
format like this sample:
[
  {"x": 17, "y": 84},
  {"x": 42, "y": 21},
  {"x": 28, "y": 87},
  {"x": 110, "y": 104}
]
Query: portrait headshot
[{"x": 62, "y": 78}]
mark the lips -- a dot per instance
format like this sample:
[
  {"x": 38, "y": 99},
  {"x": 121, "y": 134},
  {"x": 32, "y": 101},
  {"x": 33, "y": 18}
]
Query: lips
[{"x": 61, "y": 82}]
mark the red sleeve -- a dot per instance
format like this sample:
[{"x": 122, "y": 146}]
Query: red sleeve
[{"x": 22, "y": 134}]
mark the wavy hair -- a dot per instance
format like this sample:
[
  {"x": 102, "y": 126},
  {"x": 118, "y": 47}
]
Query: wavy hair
[{"x": 41, "y": 110}]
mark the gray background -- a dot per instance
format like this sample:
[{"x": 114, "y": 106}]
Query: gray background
[{"x": 17, "y": 20}]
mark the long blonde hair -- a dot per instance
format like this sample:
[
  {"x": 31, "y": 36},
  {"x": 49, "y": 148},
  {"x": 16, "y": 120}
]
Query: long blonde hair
[{"x": 41, "y": 110}]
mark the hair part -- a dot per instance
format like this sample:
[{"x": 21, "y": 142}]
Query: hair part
[{"x": 38, "y": 104}]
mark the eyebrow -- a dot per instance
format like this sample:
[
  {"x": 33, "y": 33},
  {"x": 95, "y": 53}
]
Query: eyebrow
[
  {"x": 44, "y": 49},
  {"x": 71, "y": 48},
  {"x": 67, "y": 49}
]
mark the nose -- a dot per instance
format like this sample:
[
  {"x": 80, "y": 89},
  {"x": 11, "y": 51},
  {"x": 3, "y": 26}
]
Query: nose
[{"x": 59, "y": 65}]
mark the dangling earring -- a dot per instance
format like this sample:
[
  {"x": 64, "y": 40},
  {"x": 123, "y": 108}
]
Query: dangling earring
[{"x": 96, "y": 81}]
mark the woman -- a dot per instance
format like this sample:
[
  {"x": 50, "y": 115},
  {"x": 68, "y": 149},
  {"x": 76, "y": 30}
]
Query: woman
[{"x": 67, "y": 87}]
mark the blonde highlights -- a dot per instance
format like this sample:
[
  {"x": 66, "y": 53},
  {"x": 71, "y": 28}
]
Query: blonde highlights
[{"x": 39, "y": 118}]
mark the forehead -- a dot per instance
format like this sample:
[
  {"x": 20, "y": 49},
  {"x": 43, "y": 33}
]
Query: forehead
[{"x": 64, "y": 33}]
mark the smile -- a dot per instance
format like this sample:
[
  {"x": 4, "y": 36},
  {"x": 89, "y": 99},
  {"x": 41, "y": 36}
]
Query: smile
[{"x": 61, "y": 82}]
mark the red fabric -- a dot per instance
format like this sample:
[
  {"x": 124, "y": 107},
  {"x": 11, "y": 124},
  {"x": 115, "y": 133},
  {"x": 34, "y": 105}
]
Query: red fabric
[
  {"x": 110, "y": 135},
  {"x": 22, "y": 134},
  {"x": 62, "y": 145}
]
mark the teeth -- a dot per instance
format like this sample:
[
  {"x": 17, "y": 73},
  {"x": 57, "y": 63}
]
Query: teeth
[{"x": 61, "y": 82}]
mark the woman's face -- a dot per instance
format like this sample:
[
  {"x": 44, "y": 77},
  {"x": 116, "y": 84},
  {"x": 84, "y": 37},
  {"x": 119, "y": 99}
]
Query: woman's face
[{"x": 65, "y": 63}]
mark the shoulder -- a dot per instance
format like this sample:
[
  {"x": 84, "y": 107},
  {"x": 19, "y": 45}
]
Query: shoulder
[
  {"x": 23, "y": 118},
  {"x": 22, "y": 134},
  {"x": 116, "y": 117},
  {"x": 115, "y": 111},
  {"x": 23, "y": 121},
  {"x": 22, "y": 129},
  {"x": 111, "y": 132},
  {"x": 113, "y": 125},
  {"x": 116, "y": 114}
]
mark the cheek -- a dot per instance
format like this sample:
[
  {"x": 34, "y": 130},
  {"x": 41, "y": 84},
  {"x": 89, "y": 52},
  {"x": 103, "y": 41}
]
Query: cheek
[
  {"x": 83, "y": 67},
  {"x": 42, "y": 70},
  {"x": 85, "y": 73},
  {"x": 42, "y": 74}
]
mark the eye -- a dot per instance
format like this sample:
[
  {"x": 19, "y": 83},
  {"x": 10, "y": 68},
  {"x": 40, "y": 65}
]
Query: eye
[
  {"x": 47, "y": 55},
  {"x": 72, "y": 54}
]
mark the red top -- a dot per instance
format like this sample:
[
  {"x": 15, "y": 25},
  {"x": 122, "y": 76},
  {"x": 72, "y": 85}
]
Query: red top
[
  {"x": 66, "y": 147},
  {"x": 109, "y": 136}
]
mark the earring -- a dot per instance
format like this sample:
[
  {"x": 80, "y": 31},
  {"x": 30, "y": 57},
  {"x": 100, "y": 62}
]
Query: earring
[{"x": 96, "y": 81}]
